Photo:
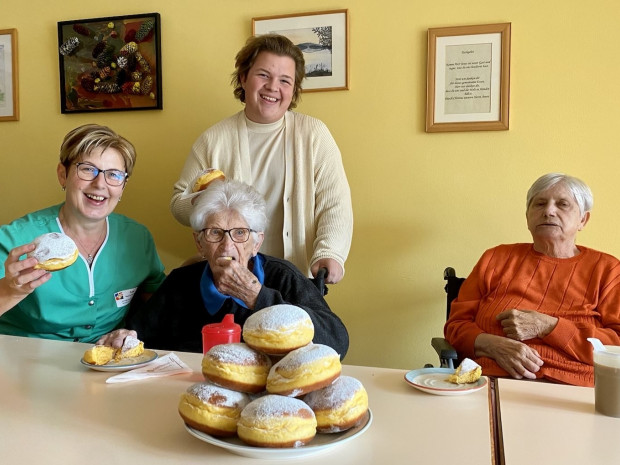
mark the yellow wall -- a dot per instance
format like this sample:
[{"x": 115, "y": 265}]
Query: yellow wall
[{"x": 421, "y": 201}]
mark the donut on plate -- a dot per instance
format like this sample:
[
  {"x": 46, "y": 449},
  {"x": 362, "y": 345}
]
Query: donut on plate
[
  {"x": 236, "y": 366},
  {"x": 278, "y": 329},
  {"x": 54, "y": 251},
  {"x": 339, "y": 406},
  {"x": 276, "y": 421},
  {"x": 212, "y": 409},
  {"x": 304, "y": 370},
  {"x": 101, "y": 355}
]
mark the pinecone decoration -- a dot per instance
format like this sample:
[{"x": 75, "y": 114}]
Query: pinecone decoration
[
  {"x": 145, "y": 29},
  {"x": 147, "y": 85},
  {"x": 83, "y": 30},
  {"x": 143, "y": 63},
  {"x": 107, "y": 88},
  {"x": 97, "y": 49},
  {"x": 121, "y": 62},
  {"x": 128, "y": 49},
  {"x": 105, "y": 57},
  {"x": 69, "y": 46}
]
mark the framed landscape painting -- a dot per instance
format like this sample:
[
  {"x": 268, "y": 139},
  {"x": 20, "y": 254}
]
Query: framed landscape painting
[
  {"x": 323, "y": 37},
  {"x": 110, "y": 64}
]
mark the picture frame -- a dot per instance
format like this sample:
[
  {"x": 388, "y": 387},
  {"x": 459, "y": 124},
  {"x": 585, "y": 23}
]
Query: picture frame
[
  {"x": 323, "y": 37},
  {"x": 9, "y": 82},
  {"x": 110, "y": 64},
  {"x": 468, "y": 78}
]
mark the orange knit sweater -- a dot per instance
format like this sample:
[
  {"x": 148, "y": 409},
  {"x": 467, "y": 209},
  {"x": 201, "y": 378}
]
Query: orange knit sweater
[{"x": 582, "y": 291}]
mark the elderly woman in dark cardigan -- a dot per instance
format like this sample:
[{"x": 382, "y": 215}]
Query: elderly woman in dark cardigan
[{"x": 228, "y": 222}]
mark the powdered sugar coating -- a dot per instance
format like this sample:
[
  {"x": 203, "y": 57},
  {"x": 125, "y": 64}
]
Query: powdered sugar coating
[
  {"x": 130, "y": 342},
  {"x": 334, "y": 395},
  {"x": 219, "y": 396},
  {"x": 53, "y": 245},
  {"x": 468, "y": 365},
  {"x": 282, "y": 317},
  {"x": 304, "y": 355},
  {"x": 238, "y": 353},
  {"x": 271, "y": 406}
]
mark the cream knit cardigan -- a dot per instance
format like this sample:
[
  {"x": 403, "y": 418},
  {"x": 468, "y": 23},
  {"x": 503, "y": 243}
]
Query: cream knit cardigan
[{"x": 318, "y": 215}]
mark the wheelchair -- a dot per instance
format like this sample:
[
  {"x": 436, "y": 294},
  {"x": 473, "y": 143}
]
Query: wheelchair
[{"x": 448, "y": 358}]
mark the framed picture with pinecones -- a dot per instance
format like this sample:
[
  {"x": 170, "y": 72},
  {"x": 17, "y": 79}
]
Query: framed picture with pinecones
[{"x": 110, "y": 64}]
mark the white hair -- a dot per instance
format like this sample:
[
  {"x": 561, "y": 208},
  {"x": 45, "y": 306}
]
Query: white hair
[
  {"x": 223, "y": 195},
  {"x": 579, "y": 189}
]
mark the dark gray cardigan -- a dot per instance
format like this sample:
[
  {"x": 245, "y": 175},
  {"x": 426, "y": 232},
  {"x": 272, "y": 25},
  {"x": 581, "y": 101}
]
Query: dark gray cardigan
[{"x": 173, "y": 317}]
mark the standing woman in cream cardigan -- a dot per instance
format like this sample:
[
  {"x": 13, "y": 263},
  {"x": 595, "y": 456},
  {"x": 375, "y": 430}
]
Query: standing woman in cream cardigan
[{"x": 291, "y": 158}]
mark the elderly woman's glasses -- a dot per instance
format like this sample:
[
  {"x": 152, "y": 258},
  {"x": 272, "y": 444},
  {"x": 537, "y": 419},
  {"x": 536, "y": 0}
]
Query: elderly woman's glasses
[
  {"x": 88, "y": 172},
  {"x": 217, "y": 234}
]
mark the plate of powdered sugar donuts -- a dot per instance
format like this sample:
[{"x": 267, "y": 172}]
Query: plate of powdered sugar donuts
[{"x": 277, "y": 395}]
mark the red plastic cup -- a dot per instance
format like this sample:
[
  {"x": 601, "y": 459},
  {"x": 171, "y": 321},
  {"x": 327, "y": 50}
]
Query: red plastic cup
[{"x": 225, "y": 332}]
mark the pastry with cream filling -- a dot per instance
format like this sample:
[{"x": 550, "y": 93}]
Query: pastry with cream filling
[
  {"x": 54, "y": 251},
  {"x": 467, "y": 372},
  {"x": 101, "y": 355},
  {"x": 278, "y": 329},
  {"x": 212, "y": 409},
  {"x": 236, "y": 366},
  {"x": 304, "y": 370},
  {"x": 339, "y": 406},
  {"x": 276, "y": 421}
]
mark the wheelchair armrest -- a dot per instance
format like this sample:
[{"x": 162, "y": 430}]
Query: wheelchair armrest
[{"x": 447, "y": 354}]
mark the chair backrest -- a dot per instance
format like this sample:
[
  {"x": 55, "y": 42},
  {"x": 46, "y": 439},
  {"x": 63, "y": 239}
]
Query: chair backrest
[{"x": 452, "y": 287}]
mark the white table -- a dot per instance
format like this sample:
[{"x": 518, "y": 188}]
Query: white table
[
  {"x": 555, "y": 424},
  {"x": 53, "y": 410}
]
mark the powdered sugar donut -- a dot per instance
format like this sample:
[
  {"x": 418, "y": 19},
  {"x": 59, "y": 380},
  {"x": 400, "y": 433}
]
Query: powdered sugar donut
[
  {"x": 54, "y": 251},
  {"x": 278, "y": 329},
  {"x": 236, "y": 366},
  {"x": 276, "y": 421},
  {"x": 339, "y": 406},
  {"x": 212, "y": 409},
  {"x": 304, "y": 370}
]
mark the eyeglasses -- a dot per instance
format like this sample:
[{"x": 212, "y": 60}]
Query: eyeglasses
[
  {"x": 217, "y": 234},
  {"x": 88, "y": 172}
]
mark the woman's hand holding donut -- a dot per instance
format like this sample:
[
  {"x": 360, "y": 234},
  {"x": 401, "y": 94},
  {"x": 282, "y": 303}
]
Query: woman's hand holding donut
[
  {"x": 116, "y": 338},
  {"x": 233, "y": 279},
  {"x": 517, "y": 358},
  {"x": 20, "y": 277}
]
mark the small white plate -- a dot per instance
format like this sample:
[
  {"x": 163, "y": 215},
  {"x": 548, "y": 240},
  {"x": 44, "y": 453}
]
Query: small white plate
[
  {"x": 124, "y": 364},
  {"x": 434, "y": 381},
  {"x": 320, "y": 443}
]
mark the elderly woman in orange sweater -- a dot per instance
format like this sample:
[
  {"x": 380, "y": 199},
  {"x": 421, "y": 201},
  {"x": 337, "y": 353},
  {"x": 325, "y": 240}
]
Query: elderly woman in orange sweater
[{"x": 526, "y": 310}]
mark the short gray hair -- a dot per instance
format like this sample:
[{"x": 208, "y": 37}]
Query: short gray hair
[
  {"x": 230, "y": 195},
  {"x": 579, "y": 189}
]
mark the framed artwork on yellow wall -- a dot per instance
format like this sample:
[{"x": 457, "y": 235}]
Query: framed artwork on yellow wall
[
  {"x": 323, "y": 37},
  {"x": 110, "y": 64},
  {"x": 468, "y": 78},
  {"x": 9, "y": 95}
]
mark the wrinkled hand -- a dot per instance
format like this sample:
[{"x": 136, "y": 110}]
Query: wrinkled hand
[
  {"x": 334, "y": 270},
  {"x": 233, "y": 279},
  {"x": 116, "y": 338},
  {"x": 20, "y": 277},
  {"x": 518, "y": 359},
  {"x": 522, "y": 325}
]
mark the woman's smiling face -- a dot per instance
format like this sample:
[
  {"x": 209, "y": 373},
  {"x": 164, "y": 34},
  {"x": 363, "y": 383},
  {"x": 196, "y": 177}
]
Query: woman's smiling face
[
  {"x": 96, "y": 199},
  {"x": 269, "y": 86}
]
